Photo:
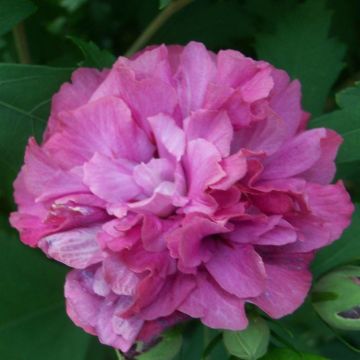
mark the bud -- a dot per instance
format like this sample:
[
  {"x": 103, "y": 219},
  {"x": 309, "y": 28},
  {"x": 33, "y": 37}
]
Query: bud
[
  {"x": 336, "y": 298},
  {"x": 251, "y": 343}
]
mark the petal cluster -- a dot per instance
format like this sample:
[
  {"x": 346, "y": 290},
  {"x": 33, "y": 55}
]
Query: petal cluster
[{"x": 180, "y": 184}]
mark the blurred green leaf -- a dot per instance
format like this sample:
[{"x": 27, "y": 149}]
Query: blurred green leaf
[
  {"x": 342, "y": 251},
  {"x": 346, "y": 122},
  {"x": 164, "y": 3},
  {"x": 25, "y": 96},
  {"x": 33, "y": 322},
  {"x": 301, "y": 46},
  {"x": 94, "y": 57},
  {"x": 218, "y": 24},
  {"x": 167, "y": 348},
  {"x": 287, "y": 354},
  {"x": 251, "y": 343},
  {"x": 193, "y": 342},
  {"x": 12, "y": 12},
  {"x": 72, "y": 5}
]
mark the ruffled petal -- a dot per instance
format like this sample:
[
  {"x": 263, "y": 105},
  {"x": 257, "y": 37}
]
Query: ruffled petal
[
  {"x": 288, "y": 282},
  {"x": 215, "y": 308},
  {"x": 238, "y": 269}
]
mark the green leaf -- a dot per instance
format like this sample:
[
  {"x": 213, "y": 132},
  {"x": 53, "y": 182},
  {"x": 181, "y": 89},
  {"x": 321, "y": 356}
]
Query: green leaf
[
  {"x": 33, "y": 322},
  {"x": 167, "y": 349},
  {"x": 287, "y": 354},
  {"x": 251, "y": 343},
  {"x": 342, "y": 251},
  {"x": 346, "y": 122},
  {"x": 72, "y": 5},
  {"x": 341, "y": 312},
  {"x": 164, "y": 3},
  {"x": 301, "y": 46},
  {"x": 193, "y": 341},
  {"x": 93, "y": 56},
  {"x": 25, "y": 95},
  {"x": 12, "y": 12}
]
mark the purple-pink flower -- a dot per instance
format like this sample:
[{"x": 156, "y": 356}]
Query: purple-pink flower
[{"x": 180, "y": 184}]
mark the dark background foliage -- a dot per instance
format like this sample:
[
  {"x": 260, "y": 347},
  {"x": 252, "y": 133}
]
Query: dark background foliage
[{"x": 316, "y": 41}]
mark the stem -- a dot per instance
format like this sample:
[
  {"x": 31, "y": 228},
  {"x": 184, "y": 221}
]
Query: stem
[
  {"x": 21, "y": 44},
  {"x": 156, "y": 24}
]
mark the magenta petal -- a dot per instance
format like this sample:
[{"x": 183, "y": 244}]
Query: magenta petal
[
  {"x": 82, "y": 305},
  {"x": 297, "y": 156},
  {"x": 111, "y": 180},
  {"x": 76, "y": 248},
  {"x": 44, "y": 179},
  {"x": 212, "y": 126},
  {"x": 172, "y": 295},
  {"x": 323, "y": 171},
  {"x": 288, "y": 282},
  {"x": 149, "y": 176},
  {"x": 104, "y": 126},
  {"x": 189, "y": 243},
  {"x": 233, "y": 68},
  {"x": 238, "y": 269},
  {"x": 84, "y": 82},
  {"x": 286, "y": 100},
  {"x": 146, "y": 97},
  {"x": 117, "y": 275},
  {"x": 169, "y": 137},
  {"x": 215, "y": 308},
  {"x": 258, "y": 87},
  {"x": 151, "y": 62},
  {"x": 112, "y": 329},
  {"x": 196, "y": 70},
  {"x": 160, "y": 203},
  {"x": 202, "y": 166}
]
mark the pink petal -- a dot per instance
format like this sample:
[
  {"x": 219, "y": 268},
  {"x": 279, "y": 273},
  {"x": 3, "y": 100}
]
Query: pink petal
[
  {"x": 104, "y": 126},
  {"x": 288, "y": 283},
  {"x": 238, "y": 269},
  {"x": 169, "y": 137},
  {"x": 213, "y": 126},
  {"x": 43, "y": 179},
  {"x": 202, "y": 166},
  {"x": 146, "y": 97},
  {"x": 297, "y": 156},
  {"x": 215, "y": 307},
  {"x": 151, "y": 62},
  {"x": 121, "y": 280},
  {"x": 286, "y": 100},
  {"x": 196, "y": 70},
  {"x": 112, "y": 329},
  {"x": 263, "y": 136},
  {"x": 149, "y": 176},
  {"x": 323, "y": 171},
  {"x": 160, "y": 203},
  {"x": 76, "y": 248},
  {"x": 330, "y": 211},
  {"x": 235, "y": 167},
  {"x": 154, "y": 230},
  {"x": 111, "y": 180},
  {"x": 173, "y": 294},
  {"x": 84, "y": 81},
  {"x": 233, "y": 68},
  {"x": 82, "y": 305},
  {"x": 188, "y": 243},
  {"x": 258, "y": 87}
]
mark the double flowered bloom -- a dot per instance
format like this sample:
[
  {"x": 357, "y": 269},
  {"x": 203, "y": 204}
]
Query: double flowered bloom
[{"x": 180, "y": 183}]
